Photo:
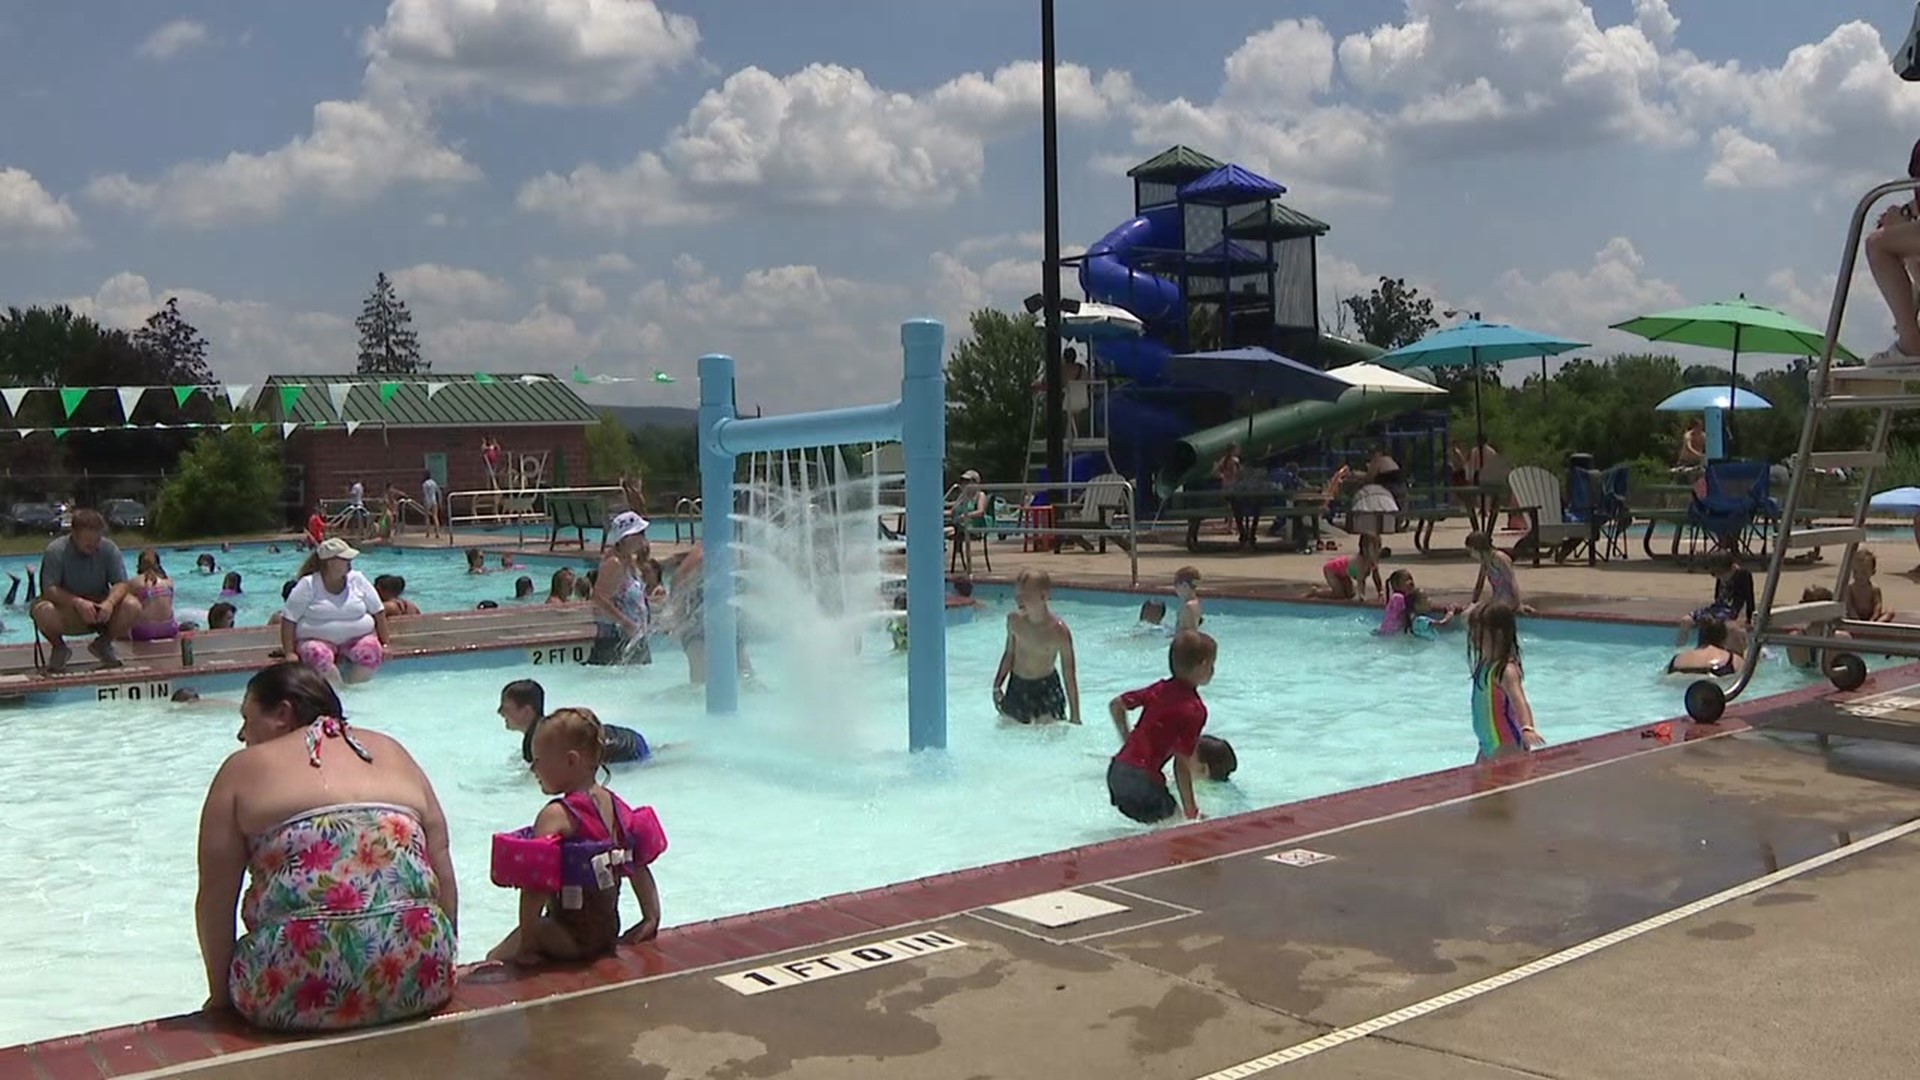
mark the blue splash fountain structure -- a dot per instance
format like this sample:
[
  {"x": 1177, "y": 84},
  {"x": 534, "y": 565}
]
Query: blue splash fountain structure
[{"x": 918, "y": 421}]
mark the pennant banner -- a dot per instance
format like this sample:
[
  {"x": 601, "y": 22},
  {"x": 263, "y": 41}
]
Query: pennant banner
[
  {"x": 60, "y": 432},
  {"x": 13, "y": 394},
  {"x": 182, "y": 393},
  {"x": 70, "y": 399},
  {"x": 434, "y": 388},
  {"x": 387, "y": 390},
  {"x": 290, "y": 396},
  {"x": 353, "y": 426},
  {"x": 237, "y": 393},
  {"x": 286, "y": 429},
  {"x": 337, "y": 393},
  {"x": 129, "y": 397}
]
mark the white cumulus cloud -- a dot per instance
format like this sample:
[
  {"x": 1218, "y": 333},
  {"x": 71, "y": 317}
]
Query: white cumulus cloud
[
  {"x": 29, "y": 214},
  {"x": 174, "y": 38},
  {"x": 452, "y": 287}
]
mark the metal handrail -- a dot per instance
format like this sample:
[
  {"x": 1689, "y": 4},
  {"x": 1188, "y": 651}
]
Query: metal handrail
[
  {"x": 1043, "y": 487},
  {"x": 520, "y": 518},
  {"x": 1816, "y": 410},
  {"x": 685, "y": 510}
]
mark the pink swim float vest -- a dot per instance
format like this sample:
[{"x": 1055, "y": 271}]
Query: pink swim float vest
[{"x": 590, "y": 861}]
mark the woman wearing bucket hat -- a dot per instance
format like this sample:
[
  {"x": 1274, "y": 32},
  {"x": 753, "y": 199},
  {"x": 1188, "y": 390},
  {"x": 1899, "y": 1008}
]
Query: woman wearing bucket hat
[
  {"x": 621, "y": 617},
  {"x": 335, "y": 621}
]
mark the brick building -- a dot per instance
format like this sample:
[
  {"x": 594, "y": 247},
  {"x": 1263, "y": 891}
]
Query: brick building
[{"x": 400, "y": 436}]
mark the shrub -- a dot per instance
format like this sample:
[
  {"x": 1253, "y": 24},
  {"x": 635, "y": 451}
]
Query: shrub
[{"x": 225, "y": 483}]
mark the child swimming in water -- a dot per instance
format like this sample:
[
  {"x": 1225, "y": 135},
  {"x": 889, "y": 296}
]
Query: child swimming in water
[
  {"x": 1347, "y": 575},
  {"x": 566, "y": 756},
  {"x": 1398, "y": 617},
  {"x": 1035, "y": 691},
  {"x": 523, "y": 703},
  {"x": 1186, "y": 586},
  {"x": 230, "y": 585},
  {"x": 1153, "y": 613},
  {"x": 1502, "y": 718}
]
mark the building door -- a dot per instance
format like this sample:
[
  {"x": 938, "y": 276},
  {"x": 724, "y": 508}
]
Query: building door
[{"x": 437, "y": 468}]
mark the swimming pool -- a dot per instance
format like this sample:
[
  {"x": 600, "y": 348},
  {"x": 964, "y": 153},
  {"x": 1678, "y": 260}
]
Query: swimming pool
[
  {"x": 784, "y": 803},
  {"x": 437, "y": 579}
]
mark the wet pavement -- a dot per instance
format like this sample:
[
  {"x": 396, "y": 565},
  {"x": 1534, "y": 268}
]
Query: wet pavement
[{"x": 1219, "y": 962}]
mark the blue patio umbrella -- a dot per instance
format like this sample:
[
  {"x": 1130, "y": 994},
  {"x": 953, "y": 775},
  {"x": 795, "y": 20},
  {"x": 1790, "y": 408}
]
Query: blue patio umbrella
[
  {"x": 1900, "y": 500},
  {"x": 1715, "y": 402},
  {"x": 1256, "y": 371},
  {"x": 1474, "y": 344}
]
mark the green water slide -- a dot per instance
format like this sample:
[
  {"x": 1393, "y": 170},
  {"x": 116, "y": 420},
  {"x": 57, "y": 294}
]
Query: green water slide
[{"x": 1293, "y": 425}]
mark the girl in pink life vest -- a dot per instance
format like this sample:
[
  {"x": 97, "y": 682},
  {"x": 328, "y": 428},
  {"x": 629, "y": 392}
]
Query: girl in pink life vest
[{"x": 570, "y": 884}]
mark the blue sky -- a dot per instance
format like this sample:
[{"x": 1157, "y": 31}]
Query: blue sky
[{"x": 625, "y": 185}]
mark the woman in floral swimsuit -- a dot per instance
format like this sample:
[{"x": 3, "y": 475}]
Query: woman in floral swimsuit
[{"x": 351, "y": 911}]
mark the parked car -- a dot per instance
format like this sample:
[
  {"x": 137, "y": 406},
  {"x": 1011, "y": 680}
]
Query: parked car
[
  {"x": 124, "y": 514},
  {"x": 33, "y": 518}
]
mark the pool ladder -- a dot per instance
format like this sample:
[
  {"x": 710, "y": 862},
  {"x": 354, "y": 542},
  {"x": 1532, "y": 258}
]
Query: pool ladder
[{"x": 1885, "y": 391}]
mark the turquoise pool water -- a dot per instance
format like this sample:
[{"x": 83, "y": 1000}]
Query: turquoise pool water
[
  {"x": 437, "y": 579},
  {"x": 790, "y": 801}
]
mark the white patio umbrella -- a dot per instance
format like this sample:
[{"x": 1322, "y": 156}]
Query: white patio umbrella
[
  {"x": 1096, "y": 321},
  {"x": 1372, "y": 378}
]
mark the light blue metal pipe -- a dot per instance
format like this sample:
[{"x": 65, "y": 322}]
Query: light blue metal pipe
[
  {"x": 716, "y": 537},
  {"x": 1716, "y": 435},
  {"x": 835, "y": 427},
  {"x": 919, "y": 421},
  {"x": 923, "y": 437}
]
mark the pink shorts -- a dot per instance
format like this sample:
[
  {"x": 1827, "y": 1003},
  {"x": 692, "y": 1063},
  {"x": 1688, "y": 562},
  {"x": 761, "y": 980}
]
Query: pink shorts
[{"x": 325, "y": 657}]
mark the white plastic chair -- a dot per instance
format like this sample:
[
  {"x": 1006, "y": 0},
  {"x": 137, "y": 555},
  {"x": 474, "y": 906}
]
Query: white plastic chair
[{"x": 1536, "y": 493}]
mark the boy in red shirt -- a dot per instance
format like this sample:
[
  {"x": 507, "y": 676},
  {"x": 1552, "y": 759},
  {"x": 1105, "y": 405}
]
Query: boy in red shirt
[{"x": 1171, "y": 719}]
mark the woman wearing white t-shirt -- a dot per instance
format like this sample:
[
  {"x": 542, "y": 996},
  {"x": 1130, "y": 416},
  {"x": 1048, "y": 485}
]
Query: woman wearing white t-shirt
[{"x": 335, "y": 621}]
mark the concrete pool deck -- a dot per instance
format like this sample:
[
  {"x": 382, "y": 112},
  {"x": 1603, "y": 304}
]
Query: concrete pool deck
[{"x": 1221, "y": 956}]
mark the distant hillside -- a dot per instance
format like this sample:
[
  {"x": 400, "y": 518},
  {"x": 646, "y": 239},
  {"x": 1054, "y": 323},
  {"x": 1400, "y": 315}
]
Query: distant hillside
[{"x": 636, "y": 417}]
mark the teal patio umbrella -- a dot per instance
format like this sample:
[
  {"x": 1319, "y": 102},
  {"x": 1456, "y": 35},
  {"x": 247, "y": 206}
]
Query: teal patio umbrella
[{"x": 1474, "y": 344}]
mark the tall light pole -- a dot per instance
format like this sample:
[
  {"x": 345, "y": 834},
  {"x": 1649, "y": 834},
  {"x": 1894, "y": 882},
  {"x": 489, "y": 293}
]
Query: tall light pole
[{"x": 1050, "y": 279}]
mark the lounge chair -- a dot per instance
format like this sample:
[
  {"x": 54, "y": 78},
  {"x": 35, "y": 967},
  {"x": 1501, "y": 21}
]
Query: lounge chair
[{"x": 1536, "y": 494}]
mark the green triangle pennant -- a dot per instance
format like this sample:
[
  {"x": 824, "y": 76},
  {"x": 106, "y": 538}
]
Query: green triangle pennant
[
  {"x": 71, "y": 397},
  {"x": 387, "y": 390},
  {"x": 182, "y": 393},
  {"x": 580, "y": 377},
  {"x": 256, "y": 428},
  {"x": 60, "y": 432},
  {"x": 483, "y": 378},
  {"x": 289, "y": 397}
]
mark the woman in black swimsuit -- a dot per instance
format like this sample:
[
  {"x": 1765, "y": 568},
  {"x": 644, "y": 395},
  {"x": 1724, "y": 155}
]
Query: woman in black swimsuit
[{"x": 1709, "y": 656}]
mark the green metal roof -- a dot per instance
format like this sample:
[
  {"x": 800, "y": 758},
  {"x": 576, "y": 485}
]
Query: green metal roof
[
  {"x": 509, "y": 399},
  {"x": 1175, "y": 162},
  {"x": 1277, "y": 221}
]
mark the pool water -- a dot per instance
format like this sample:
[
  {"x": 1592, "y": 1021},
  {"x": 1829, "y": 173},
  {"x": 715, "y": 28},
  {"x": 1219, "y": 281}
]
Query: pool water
[
  {"x": 784, "y": 803},
  {"x": 437, "y": 580}
]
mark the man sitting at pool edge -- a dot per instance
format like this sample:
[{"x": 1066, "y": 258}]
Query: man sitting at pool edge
[{"x": 83, "y": 589}]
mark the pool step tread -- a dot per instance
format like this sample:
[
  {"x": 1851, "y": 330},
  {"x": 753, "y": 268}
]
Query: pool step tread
[{"x": 1804, "y": 614}]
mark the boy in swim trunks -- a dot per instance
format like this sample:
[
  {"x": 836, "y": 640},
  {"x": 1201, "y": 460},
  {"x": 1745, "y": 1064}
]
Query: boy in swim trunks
[
  {"x": 1037, "y": 639},
  {"x": 1172, "y": 717},
  {"x": 1186, "y": 586},
  {"x": 522, "y": 704}
]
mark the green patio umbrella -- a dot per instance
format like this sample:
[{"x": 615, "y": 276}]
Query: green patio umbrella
[{"x": 1734, "y": 326}]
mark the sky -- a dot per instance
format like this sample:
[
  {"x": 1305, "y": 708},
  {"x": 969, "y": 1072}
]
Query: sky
[{"x": 624, "y": 185}]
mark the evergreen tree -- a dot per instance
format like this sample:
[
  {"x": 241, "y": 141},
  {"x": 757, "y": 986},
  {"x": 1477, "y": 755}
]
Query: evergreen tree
[
  {"x": 388, "y": 343},
  {"x": 175, "y": 348}
]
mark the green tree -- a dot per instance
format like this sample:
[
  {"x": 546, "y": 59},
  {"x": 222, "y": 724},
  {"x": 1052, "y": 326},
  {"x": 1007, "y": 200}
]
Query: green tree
[
  {"x": 990, "y": 393},
  {"x": 610, "y": 452},
  {"x": 1394, "y": 314},
  {"x": 388, "y": 343},
  {"x": 174, "y": 347},
  {"x": 669, "y": 457},
  {"x": 225, "y": 483}
]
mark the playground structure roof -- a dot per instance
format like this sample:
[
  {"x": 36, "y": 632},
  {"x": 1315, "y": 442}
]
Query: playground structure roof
[
  {"x": 1276, "y": 221},
  {"x": 461, "y": 400},
  {"x": 1231, "y": 185},
  {"x": 1176, "y": 164}
]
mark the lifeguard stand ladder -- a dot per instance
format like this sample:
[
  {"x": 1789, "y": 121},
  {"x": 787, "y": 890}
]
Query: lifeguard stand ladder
[
  {"x": 1072, "y": 442},
  {"x": 1885, "y": 390}
]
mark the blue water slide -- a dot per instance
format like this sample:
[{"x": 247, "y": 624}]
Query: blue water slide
[{"x": 1109, "y": 274}]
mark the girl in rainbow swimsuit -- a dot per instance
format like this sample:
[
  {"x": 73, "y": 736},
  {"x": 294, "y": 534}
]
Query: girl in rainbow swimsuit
[{"x": 1502, "y": 719}]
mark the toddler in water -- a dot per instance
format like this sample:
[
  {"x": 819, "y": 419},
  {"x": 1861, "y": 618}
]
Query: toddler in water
[
  {"x": 1398, "y": 617},
  {"x": 566, "y": 755},
  {"x": 230, "y": 585},
  {"x": 1502, "y": 719},
  {"x": 1172, "y": 718},
  {"x": 897, "y": 626},
  {"x": 1037, "y": 639},
  {"x": 1186, "y": 586},
  {"x": 1153, "y": 614},
  {"x": 221, "y": 615},
  {"x": 522, "y": 704},
  {"x": 1801, "y": 656},
  {"x": 1347, "y": 575}
]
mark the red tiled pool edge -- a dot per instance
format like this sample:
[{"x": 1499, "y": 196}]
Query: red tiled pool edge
[{"x": 122, "y": 1051}]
